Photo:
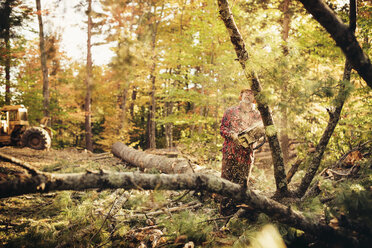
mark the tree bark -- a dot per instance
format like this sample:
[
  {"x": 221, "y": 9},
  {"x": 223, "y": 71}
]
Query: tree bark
[
  {"x": 271, "y": 132},
  {"x": 43, "y": 60},
  {"x": 343, "y": 36},
  {"x": 123, "y": 108},
  {"x": 147, "y": 161},
  {"x": 7, "y": 68},
  {"x": 88, "y": 82},
  {"x": 133, "y": 97},
  {"x": 334, "y": 117},
  {"x": 284, "y": 139},
  {"x": 152, "y": 124},
  {"x": 199, "y": 182},
  {"x": 168, "y": 109},
  {"x": 7, "y": 11}
]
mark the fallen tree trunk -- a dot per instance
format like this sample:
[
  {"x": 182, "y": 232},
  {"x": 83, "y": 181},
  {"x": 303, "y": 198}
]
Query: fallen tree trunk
[
  {"x": 192, "y": 181},
  {"x": 147, "y": 161}
]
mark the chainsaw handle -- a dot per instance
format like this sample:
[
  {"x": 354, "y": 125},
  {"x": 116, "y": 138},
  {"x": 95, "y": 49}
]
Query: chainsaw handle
[{"x": 258, "y": 146}]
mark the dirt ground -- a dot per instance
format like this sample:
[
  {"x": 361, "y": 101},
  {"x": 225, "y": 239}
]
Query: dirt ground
[{"x": 57, "y": 161}]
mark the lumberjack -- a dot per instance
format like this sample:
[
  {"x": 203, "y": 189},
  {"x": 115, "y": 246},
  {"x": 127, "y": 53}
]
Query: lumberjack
[{"x": 237, "y": 149}]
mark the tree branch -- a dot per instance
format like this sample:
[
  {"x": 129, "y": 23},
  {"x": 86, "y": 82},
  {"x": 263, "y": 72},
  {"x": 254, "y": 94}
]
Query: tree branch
[{"x": 343, "y": 35}]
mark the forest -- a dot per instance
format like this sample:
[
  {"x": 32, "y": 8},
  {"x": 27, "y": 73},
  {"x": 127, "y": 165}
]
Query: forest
[{"x": 133, "y": 103}]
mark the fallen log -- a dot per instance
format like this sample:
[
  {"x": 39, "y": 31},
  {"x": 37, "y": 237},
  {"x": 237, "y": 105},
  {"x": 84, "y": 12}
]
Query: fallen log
[
  {"x": 147, "y": 161},
  {"x": 192, "y": 205},
  {"x": 191, "y": 181}
]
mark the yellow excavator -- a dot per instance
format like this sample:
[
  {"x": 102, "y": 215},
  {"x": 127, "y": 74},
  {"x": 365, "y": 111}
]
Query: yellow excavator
[{"x": 16, "y": 130}]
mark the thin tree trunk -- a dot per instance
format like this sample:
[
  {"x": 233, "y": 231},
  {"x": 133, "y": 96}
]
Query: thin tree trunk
[
  {"x": 7, "y": 69},
  {"x": 88, "y": 97},
  {"x": 271, "y": 132},
  {"x": 8, "y": 10},
  {"x": 152, "y": 123},
  {"x": 134, "y": 97},
  {"x": 343, "y": 36},
  {"x": 43, "y": 60},
  {"x": 169, "y": 126},
  {"x": 334, "y": 117},
  {"x": 123, "y": 107},
  {"x": 284, "y": 140}
]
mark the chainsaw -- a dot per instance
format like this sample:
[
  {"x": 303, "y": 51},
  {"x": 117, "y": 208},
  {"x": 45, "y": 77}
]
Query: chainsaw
[{"x": 255, "y": 133}]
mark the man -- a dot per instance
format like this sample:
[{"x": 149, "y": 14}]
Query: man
[{"x": 237, "y": 160}]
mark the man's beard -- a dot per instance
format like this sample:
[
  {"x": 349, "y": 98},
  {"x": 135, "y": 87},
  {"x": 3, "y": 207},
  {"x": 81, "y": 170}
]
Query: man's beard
[{"x": 248, "y": 105}]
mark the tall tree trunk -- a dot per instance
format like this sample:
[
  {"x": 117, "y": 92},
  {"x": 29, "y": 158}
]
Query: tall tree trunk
[
  {"x": 88, "y": 97},
  {"x": 123, "y": 108},
  {"x": 8, "y": 11},
  {"x": 152, "y": 123},
  {"x": 7, "y": 68},
  {"x": 169, "y": 126},
  {"x": 271, "y": 132},
  {"x": 334, "y": 117},
  {"x": 134, "y": 97},
  {"x": 43, "y": 61},
  {"x": 284, "y": 140}
]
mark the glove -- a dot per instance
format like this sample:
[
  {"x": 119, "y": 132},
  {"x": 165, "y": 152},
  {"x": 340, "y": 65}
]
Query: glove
[{"x": 235, "y": 138}]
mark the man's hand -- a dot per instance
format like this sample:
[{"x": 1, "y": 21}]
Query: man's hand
[{"x": 235, "y": 138}]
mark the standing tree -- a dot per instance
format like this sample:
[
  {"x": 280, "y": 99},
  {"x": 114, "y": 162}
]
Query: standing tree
[
  {"x": 88, "y": 82},
  {"x": 270, "y": 129},
  {"x": 284, "y": 111},
  {"x": 11, "y": 17},
  {"x": 43, "y": 59},
  {"x": 334, "y": 115},
  {"x": 154, "y": 33}
]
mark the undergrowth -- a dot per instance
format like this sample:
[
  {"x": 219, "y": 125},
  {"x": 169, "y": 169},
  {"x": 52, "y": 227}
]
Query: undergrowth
[{"x": 119, "y": 218}]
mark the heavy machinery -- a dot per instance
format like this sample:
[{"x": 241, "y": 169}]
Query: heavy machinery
[{"x": 16, "y": 130}]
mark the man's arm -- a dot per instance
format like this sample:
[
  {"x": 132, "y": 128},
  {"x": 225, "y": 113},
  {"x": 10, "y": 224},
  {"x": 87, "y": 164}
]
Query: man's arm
[{"x": 226, "y": 129}]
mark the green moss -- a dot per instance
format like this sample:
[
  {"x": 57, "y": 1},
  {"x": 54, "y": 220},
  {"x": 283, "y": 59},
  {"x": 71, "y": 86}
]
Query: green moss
[
  {"x": 193, "y": 226},
  {"x": 271, "y": 130}
]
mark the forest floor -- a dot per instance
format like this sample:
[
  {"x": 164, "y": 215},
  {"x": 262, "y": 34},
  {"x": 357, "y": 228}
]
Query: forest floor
[{"x": 113, "y": 218}]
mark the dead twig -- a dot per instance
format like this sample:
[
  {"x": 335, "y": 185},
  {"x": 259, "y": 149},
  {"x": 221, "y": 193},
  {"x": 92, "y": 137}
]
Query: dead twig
[
  {"x": 293, "y": 170},
  {"x": 108, "y": 214},
  {"x": 348, "y": 173},
  {"x": 104, "y": 221},
  {"x": 191, "y": 205},
  {"x": 215, "y": 219}
]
